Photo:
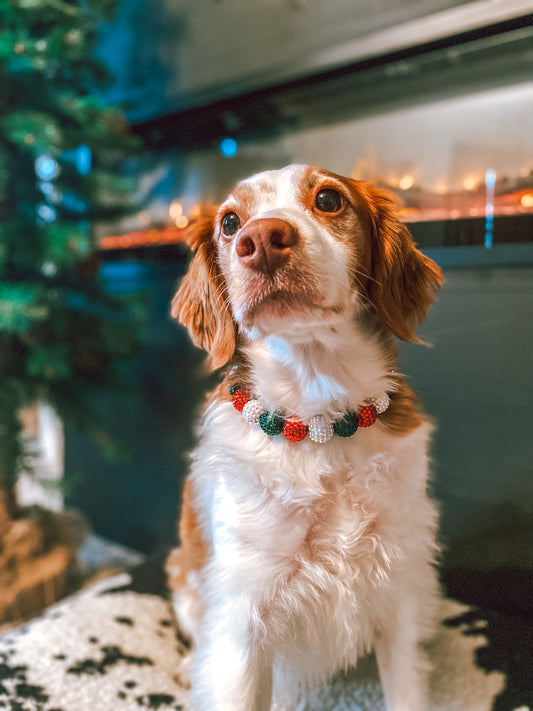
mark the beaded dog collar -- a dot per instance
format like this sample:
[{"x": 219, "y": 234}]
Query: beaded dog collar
[{"x": 318, "y": 429}]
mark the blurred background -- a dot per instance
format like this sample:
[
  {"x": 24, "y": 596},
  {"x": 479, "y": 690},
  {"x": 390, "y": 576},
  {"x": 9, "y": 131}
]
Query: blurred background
[{"x": 433, "y": 100}]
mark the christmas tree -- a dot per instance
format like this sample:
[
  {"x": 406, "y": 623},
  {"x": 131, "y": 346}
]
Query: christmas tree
[{"x": 62, "y": 337}]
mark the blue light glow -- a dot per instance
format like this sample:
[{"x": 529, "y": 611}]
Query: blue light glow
[
  {"x": 83, "y": 160},
  {"x": 490, "y": 183},
  {"x": 490, "y": 178},
  {"x": 228, "y": 147},
  {"x": 46, "y": 213},
  {"x": 46, "y": 168}
]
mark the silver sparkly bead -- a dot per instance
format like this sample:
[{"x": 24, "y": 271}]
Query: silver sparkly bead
[
  {"x": 320, "y": 430},
  {"x": 381, "y": 403},
  {"x": 252, "y": 411}
]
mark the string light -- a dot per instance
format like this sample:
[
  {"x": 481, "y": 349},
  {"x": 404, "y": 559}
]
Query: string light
[
  {"x": 228, "y": 147},
  {"x": 469, "y": 183},
  {"x": 46, "y": 167},
  {"x": 406, "y": 182},
  {"x": 176, "y": 214},
  {"x": 49, "y": 269},
  {"x": 144, "y": 238},
  {"x": 47, "y": 213},
  {"x": 84, "y": 160},
  {"x": 490, "y": 183},
  {"x": 175, "y": 210}
]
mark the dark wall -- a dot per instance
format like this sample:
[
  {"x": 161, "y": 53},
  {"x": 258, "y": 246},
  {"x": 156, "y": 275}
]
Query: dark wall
[{"x": 133, "y": 497}]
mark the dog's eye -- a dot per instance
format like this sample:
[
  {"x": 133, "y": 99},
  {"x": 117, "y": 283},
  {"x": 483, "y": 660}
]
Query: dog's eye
[
  {"x": 328, "y": 200},
  {"x": 230, "y": 224}
]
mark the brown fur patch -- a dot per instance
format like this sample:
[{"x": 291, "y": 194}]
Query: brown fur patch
[
  {"x": 403, "y": 280},
  {"x": 200, "y": 303},
  {"x": 193, "y": 551},
  {"x": 344, "y": 224},
  {"x": 392, "y": 273},
  {"x": 242, "y": 201},
  {"x": 403, "y": 415}
]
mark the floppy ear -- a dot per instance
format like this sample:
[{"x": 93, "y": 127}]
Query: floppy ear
[
  {"x": 200, "y": 303},
  {"x": 403, "y": 281}
]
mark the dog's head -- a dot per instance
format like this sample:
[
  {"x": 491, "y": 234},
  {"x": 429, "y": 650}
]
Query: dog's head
[{"x": 290, "y": 250}]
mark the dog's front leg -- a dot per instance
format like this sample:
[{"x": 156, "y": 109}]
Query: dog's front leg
[
  {"x": 232, "y": 669},
  {"x": 403, "y": 678},
  {"x": 402, "y": 663}
]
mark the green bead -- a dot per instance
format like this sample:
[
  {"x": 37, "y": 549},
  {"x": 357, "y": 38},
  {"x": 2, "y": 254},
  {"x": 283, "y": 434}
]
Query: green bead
[
  {"x": 347, "y": 425},
  {"x": 272, "y": 424}
]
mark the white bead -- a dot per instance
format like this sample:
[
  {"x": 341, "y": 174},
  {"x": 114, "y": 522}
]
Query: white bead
[
  {"x": 252, "y": 411},
  {"x": 320, "y": 430},
  {"x": 381, "y": 403}
]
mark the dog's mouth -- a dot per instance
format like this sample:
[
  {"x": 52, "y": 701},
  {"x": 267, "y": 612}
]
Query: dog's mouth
[
  {"x": 292, "y": 297},
  {"x": 280, "y": 303},
  {"x": 284, "y": 305}
]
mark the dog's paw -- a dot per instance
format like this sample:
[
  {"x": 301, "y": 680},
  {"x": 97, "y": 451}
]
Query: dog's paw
[
  {"x": 183, "y": 675},
  {"x": 174, "y": 568}
]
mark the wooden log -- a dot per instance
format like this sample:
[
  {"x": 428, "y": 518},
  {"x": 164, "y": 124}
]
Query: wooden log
[{"x": 39, "y": 582}]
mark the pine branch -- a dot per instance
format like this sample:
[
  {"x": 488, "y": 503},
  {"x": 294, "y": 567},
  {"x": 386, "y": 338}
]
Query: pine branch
[{"x": 62, "y": 337}]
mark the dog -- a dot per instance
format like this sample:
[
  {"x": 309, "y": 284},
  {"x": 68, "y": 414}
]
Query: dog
[{"x": 307, "y": 537}]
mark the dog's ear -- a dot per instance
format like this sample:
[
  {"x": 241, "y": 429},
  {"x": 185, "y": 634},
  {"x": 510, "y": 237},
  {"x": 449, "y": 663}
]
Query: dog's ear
[
  {"x": 403, "y": 281},
  {"x": 200, "y": 303}
]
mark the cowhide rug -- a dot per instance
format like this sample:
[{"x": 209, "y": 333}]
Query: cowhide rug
[{"x": 115, "y": 647}]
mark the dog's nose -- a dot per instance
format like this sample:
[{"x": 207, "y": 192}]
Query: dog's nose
[{"x": 266, "y": 244}]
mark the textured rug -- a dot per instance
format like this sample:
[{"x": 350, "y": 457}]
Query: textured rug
[{"x": 115, "y": 647}]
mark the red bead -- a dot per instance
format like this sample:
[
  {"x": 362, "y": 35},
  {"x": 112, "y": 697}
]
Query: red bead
[
  {"x": 294, "y": 430},
  {"x": 239, "y": 399},
  {"x": 367, "y": 416}
]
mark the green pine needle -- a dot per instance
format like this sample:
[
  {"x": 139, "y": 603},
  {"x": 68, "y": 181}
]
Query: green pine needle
[
  {"x": 20, "y": 307},
  {"x": 63, "y": 339}
]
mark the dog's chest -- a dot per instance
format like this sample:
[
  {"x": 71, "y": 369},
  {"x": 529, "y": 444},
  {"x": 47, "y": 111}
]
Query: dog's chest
[{"x": 311, "y": 514}]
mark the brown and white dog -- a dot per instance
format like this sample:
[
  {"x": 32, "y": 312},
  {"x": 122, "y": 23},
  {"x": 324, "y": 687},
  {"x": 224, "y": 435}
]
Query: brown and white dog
[{"x": 307, "y": 535}]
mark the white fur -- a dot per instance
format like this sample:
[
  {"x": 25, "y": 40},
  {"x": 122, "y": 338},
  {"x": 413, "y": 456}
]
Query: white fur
[{"x": 318, "y": 552}]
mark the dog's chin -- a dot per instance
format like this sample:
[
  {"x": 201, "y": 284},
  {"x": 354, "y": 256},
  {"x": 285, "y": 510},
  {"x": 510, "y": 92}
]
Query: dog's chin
[{"x": 283, "y": 312}]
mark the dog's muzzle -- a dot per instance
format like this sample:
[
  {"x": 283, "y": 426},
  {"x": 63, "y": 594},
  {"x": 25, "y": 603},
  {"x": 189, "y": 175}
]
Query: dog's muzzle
[{"x": 266, "y": 244}]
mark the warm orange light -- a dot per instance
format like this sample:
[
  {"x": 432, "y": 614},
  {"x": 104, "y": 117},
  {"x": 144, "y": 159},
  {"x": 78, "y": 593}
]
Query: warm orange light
[
  {"x": 409, "y": 212},
  {"x": 168, "y": 234},
  {"x": 175, "y": 210},
  {"x": 527, "y": 200},
  {"x": 469, "y": 183},
  {"x": 406, "y": 182}
]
